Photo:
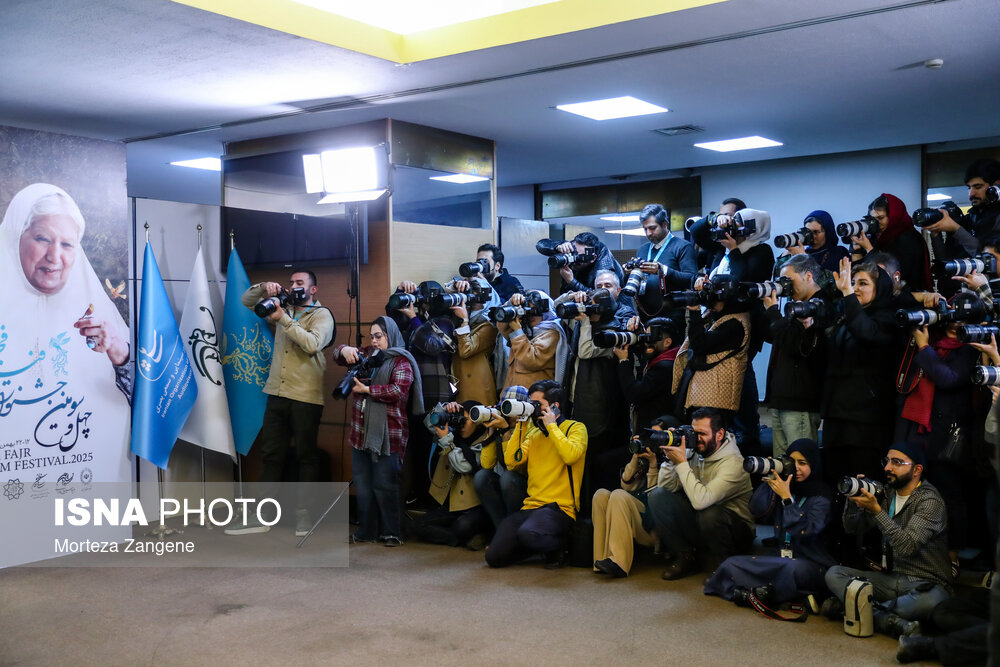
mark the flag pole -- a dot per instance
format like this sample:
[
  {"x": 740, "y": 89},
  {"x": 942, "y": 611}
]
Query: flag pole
[
  {"x": 204, "y": 476},
  {"x": 146, "y": 225},
  {"x": 239, "y": 457}
]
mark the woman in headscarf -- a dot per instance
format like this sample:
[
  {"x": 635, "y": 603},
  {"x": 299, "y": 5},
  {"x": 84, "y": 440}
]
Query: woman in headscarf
[
  {"x": 800, "y": 506},
  {"x": 898, "y": 237},
  {"x": 538, "y": 347},
  {"x": 859, "y": 392},
  {"x": 63, "y": 344},
  {"x": 379, "y": 430},
  {"x": 745, "y": 256},
  {"x": 825, "y": 248}
]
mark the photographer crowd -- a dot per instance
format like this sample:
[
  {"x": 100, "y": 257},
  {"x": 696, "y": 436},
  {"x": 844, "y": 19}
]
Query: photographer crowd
[{"x": 624, "y": 412}]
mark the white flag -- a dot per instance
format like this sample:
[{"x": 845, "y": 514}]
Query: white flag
[{"x": 208, "y": 425}]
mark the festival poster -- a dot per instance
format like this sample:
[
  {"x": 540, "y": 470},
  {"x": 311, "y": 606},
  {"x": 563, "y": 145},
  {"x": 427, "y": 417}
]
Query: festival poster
[{"x": 65, "y": 376}]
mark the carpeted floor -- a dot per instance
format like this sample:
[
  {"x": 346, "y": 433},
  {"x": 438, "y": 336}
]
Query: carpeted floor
[{"x": 418, "y": 604}]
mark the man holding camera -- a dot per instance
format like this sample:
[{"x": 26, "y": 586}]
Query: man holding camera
[
  {"x": 294, "y": 386},
  {"x": 501, "y": 281},
  {"x": 553, "y": 451},
  {"x": 797, "y": 366},
  {"x": 915, "y": 572},
  {"x": 702, "y": 499},
  {"x": 582, "y": 275},
  {"x": 649, "y": 393},
  {"x": 983, "y": 219},
  {"x": 674, "y": 259}
]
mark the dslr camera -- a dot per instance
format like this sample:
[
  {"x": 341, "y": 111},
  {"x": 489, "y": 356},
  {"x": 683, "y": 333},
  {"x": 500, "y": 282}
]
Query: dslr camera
[
  {"x": 480, "y": 414},
  {"x": 781, "y": 286},
  {"x": 680, "y": 436},
  {"x": 363, "y": 369},
  {"x": 799, "y": 237},
  {"x": 558, "y": 260},
  {"x": 521, "y": 410},
  {"x": 443, "y": 419},
  {"x": 719, "y": 290},
  {"x": 986, "y": 376},
  {"x": 977, "y": 333},
  {"x": 815, "y": 308},
  {"x": 740, "y": 227},
  {"x": 965, "y": 308},
  {"x": 293, "y": 297},
  {"x": 782, "y": 466},
  {"x": 866, "y": 225},
  {"x": 601, "y": 304},
  {"x": 423, "y": 296},
  {"x": 924, "y": 217},
  {"x": 473, "y": 269},
  {"x": 984, "y": 263},
  {"x": 477, "y": 294},
  {"x": 852, "y": 486},
  {"x": 534, "y": 304}
]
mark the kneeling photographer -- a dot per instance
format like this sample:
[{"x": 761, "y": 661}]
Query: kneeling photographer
[
  {"x": 656, "y": 348},
  {"x": 379, "y": 429},
  {"x": 501, "y": 489},
  {"x": 460, "y": 518},
  {"x": 538, "y": 348},
  {"x": 914, "y": 574},
  {"x": 620, "y": 516},
  {"x": 711, "y": 362},
  {"x": 795, "y": 498},
  {"x": 794, "y": 388},
  {"x": 701, "y": 502}
]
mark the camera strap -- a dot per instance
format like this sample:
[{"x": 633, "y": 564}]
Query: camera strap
[
  {"x": 797, "y": 612},
  {"x": 445, "y": 338}
]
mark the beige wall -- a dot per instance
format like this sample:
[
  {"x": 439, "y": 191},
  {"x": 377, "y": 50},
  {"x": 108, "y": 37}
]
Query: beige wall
[{"x": 421, "y": 252}]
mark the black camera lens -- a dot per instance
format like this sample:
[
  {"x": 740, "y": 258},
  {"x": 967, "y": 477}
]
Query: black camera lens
[
  {"x": 570, "y": 309},
  {"x": 471, "y": 269},
  {"x": 402, "y": 300}
]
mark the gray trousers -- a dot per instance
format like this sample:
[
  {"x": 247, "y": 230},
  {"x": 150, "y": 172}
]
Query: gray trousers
[{"x": 913, "y": 599}]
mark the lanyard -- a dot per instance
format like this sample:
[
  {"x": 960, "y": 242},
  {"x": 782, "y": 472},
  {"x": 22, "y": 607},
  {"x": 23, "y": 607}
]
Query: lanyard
[
  {"x": 788, "y": 536},
  {"x": 302, "y": 312},
  {"x": 649, "y": 253}
]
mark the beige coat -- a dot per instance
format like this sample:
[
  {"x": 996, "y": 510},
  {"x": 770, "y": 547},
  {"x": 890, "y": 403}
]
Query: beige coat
[
  {"x": 532, "y": 360},
  {"x": 471, "y": 366},
  {"x": 452, "y": 486}
]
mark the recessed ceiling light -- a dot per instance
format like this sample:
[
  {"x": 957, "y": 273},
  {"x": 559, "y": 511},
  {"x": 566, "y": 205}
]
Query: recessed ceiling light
[
  {"x": 615, "y": 107},
  {"x": 937, "y": 196},
  {"x": 405, "y": 17},
  {"x": 208, "y": 163},
  {"x": 622, "y": 218},
  {"x": 627, "y": 232},
  {"x": 741, "y": 144},
  {"x": 459, "y": 178}
]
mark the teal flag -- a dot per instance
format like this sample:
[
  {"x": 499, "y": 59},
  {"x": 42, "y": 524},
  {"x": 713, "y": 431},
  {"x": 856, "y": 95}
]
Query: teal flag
[
  {"x": 165, "y": 390},
  {"x": 247, "y": 343}
]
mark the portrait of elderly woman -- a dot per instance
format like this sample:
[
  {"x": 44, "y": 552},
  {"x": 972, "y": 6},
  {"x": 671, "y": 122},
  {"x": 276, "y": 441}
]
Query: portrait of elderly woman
[{"x": 63, "y": 344}]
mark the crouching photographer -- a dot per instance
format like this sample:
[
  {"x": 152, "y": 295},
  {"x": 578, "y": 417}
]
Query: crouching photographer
[
  {"x": 461, "y": 518},
  {"x": 657, "y": 346},
  {"x": 379, "y": 430},
  {"x": 914, "y": 574},
  {"x": 620, "y": 516},
  {"x": 795, "y": 498},
  {"x": 501, "y": 489},
  {"x": 701, "y": 502},
  {"x": 712, "y": 360}
]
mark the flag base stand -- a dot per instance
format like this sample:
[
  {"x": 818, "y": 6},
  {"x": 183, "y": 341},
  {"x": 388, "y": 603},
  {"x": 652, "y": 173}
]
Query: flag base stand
[
  {"x": 161, "y": 531},
  {"x": 323, "y": 516}
]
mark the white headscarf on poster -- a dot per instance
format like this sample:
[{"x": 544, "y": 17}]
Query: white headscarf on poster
[{"x": 60, "y": 404}]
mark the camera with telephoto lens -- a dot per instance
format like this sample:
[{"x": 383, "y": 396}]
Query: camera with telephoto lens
[
  {"x": 443, "y": 419},
  {"x": 992, "y": 194},
  {"x": 472, "y": 269},
  {"x": 851, "y": 486},
  {"x": 781, "y": 286},
  {"x": 657, "y": 327},
  {"x": 781, "y": 466},
  {"x": 636, "y": 278},
  {"x": 610, "y": 338},
  {"x": 534, "y": 304},
  {"x": 477, "y": 294},
  {"x": 600, "y": 302},
  {"x": 293, "y": 297},
  {"x": 362, "y": 369},
  {"x": 924, "y": 217},
  {"x": 679, "y": 436},
  {"x": 866, "y": 225},
  {"x": 521, "y": 410},
  {"x": 986, "y": 376},
  {"x": 984, "y": 263},
  {"x": 977, "y": 333},
  {"x": 799, "y": 237},
  {"x": 480, "y": 414},
  {"x": 570, "y": 258},
  {"x": 720, "y": 289},
  {"x": 765, "y": 595},
  {"x": 740, "y": 228},
  {"x": 966, "y": 307},
  {"x": 815, "y": 308},
  {"x": 426, "y": 292}
]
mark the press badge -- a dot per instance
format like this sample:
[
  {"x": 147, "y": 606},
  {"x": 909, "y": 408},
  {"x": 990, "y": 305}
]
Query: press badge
[{"x": 786, "y": 552}]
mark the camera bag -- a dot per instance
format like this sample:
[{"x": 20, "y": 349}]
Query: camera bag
[{"x": 858, "y": 620}]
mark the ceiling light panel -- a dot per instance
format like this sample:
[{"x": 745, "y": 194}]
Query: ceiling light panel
[
  {"x": 741, "y": 144},
  {"x": 614, "y": 107},
  {"x": 405, "y": 17}
]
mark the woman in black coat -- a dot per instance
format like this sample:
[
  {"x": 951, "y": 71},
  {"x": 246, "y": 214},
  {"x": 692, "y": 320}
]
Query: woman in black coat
[{"x": 859, "y": 393}]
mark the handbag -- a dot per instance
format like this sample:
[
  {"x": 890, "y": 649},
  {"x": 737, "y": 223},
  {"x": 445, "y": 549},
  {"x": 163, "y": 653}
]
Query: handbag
[{"x": 909, "y": 374}]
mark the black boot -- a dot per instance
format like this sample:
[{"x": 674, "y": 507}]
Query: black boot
[
  {"x": 916, "y": 647},
  {"x": 893, "y": 625},
  {"x": 682, "y": 566}
]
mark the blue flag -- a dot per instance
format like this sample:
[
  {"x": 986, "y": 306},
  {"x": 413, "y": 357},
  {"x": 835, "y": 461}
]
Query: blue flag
[
  {"x": 247, "y": 343},
  {"x": 165, "y": 390}
]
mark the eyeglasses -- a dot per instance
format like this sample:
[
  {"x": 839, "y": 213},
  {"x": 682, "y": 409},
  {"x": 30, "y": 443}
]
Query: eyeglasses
[{"x": 896, "y": 463}]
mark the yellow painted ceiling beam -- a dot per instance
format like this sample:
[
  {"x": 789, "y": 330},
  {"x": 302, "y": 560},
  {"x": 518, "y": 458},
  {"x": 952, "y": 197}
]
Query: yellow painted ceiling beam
[{"x": 531, "y": 23}]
